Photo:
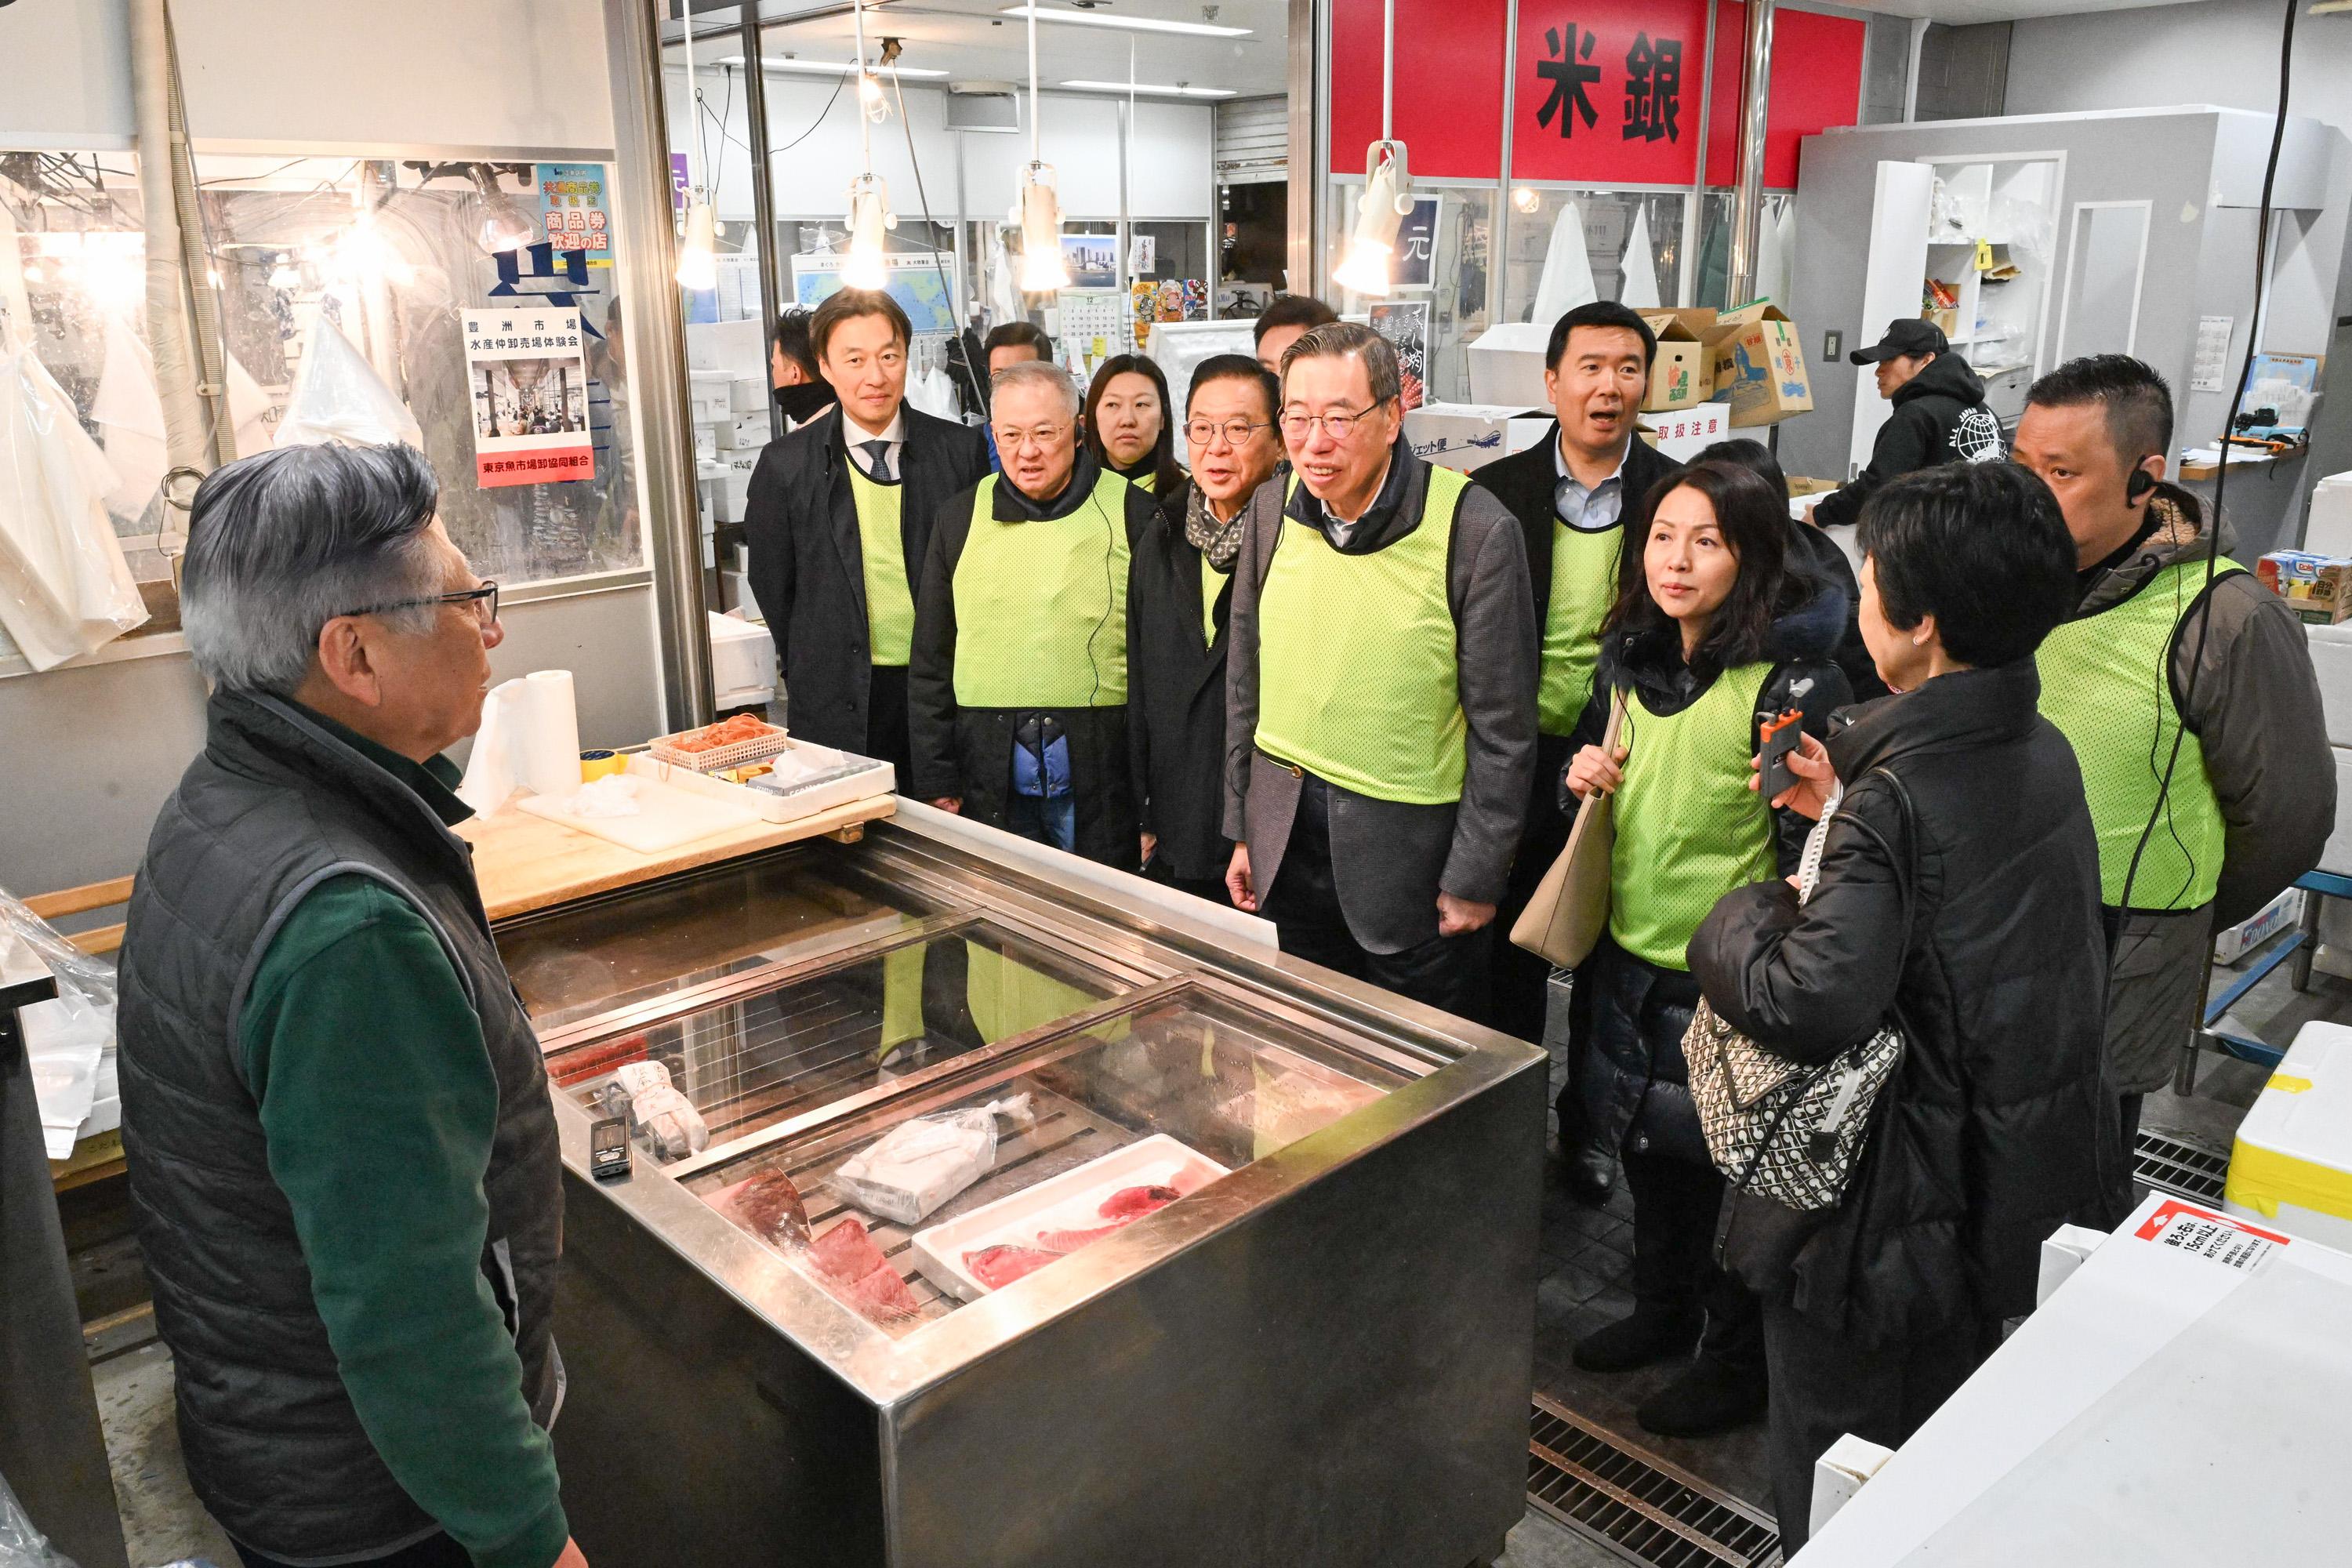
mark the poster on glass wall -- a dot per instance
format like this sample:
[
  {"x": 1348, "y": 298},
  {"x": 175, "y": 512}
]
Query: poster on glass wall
[
  {"x": 918, "y": 279},
  {"x": 1405, "y": 324},
  {"x": 528, "y": 383},
  {"x": 572, "y": 212},
  {"x": 1416, "y": 244}
]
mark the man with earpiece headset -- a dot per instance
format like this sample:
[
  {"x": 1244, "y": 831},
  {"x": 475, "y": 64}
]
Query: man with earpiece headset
[
  {"x": 1017, "y": 687},
  {"x": 2203, "y": 749}
]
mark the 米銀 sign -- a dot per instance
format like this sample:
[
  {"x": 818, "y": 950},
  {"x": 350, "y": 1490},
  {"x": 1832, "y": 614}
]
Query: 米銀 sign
[{"x": 1609, "y": 91}]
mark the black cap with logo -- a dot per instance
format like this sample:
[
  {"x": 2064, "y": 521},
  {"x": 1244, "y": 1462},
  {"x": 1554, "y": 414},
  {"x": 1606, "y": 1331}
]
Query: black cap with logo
[{"x": 1910, "y": 336}]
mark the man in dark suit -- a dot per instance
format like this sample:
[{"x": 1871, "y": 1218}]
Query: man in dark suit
[
  {"x": 839, "y": 520},
  {"x": 1380, "y": 684},
  {"x": 1573, "y": 494}
]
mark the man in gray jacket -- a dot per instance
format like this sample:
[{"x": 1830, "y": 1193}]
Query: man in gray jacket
[
  {"x": 1382, "y": 690},
  {"x": 2189, "y": 699}
]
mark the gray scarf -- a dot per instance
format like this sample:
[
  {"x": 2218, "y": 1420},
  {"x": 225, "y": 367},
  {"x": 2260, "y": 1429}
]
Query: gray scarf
[{"x": 1220, "y": 541}]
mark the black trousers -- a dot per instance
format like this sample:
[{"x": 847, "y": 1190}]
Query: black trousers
[
  {"x": 1676, "y": 1203},
  {"x": 436, "y": 1551},
  {"x": 2127, "y": 1107},
  {"x": 1445, "y": 972},
  {"x": 886, "y": 721},
  {"x": 1826, "y": 1383}
]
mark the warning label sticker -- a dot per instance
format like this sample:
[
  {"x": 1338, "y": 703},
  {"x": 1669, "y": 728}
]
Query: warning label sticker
[{"x": 2225, "y": 1240}]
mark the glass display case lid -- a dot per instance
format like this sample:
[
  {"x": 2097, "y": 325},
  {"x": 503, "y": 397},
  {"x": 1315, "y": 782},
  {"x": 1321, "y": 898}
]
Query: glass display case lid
[
  {"x": 590, "y": 958},
  {"x": 907, "y": 1209}
]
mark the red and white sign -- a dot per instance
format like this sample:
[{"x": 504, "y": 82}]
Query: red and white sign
[
  {"x": 528, "y": 375},
  {"x": 1816, "y": 84},
  {"x": 1450, "y": 60},
  {"x": 1608, "y": 92},
  {"x": 2205, "y": 1234}
]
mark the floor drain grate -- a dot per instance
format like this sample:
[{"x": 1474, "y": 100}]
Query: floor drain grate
[
  {"x": 2183, "y": 1169},
  {"x": 1644, "y": 1508}
]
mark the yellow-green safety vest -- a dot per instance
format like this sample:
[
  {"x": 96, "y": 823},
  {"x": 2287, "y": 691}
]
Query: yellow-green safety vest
[
  {"x": 1688, "y": 828},
  {"x": 1212, "y": 583},
  {"x": 889, "y": 607},
  {"x": 1583, "y": 585},
  {"x": 1357, "y": 675},
  {"x": 2106, "y": 683},
  {"x": 1040, "y": 604}
]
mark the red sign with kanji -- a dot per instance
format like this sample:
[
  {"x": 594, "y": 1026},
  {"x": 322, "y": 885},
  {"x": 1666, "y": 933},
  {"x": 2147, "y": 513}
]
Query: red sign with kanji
[{"x": 1608, "y": 90}]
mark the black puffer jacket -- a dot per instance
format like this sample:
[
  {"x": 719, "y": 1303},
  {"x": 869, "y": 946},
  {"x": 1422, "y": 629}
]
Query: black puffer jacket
[
  {"x": 1636, "y": 1087},
  {"x": 1939, "y": 418},
  {"x": 1972, "y": 912}
]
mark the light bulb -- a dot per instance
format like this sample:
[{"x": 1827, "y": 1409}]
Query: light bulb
[
  {"x": 1042, "y": 271},
  {"x": 1525, "y": 199},
  {"x": 1379, "y": 213},
  {"x": 870, "y": 99},
  {"x": 284, "y": 276},
  {"x": 697, "y": 257},
  {"x": 36, "y": 273},
  {"x": 869, "y": 215}
]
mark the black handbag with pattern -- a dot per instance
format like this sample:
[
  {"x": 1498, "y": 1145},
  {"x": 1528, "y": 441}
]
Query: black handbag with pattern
[{"x": 1783, "y": 1130}]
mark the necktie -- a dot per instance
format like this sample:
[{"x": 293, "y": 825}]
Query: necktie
[{"x": 878, "y": 461}]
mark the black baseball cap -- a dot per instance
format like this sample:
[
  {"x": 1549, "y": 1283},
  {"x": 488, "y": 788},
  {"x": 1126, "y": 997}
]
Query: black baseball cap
[{"x": 1912, "y": 335}]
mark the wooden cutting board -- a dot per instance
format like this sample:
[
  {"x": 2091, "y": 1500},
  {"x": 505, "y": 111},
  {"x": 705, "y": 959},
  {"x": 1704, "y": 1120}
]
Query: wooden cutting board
[
  {"x": 524, "y": 862},
  {"x": 667, "y": 817}
]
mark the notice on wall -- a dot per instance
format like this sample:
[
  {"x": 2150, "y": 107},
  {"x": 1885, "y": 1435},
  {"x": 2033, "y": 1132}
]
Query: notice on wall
[
  {"x": 1416, "y": 244},
  {"x": 2209, "y": 369},
  {"x": 572, "y": 211},
  {"x": 1405, "y": 324},
  {"x": 529, "y": 380}
]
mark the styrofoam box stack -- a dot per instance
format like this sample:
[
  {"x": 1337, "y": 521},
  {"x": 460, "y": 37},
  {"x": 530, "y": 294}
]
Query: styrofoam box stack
[
  {"x": 2329, "y": 528},
  {"x": 2331, "y": 660}
]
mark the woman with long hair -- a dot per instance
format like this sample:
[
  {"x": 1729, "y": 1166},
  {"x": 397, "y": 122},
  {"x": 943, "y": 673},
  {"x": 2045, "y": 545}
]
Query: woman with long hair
[
  {"x": 1129, "y": 428},
  {"x": 1712, "y": 636}
]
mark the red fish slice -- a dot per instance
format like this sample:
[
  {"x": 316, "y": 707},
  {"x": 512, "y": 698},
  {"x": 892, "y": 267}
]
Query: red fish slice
[
  {"x": 1062, "y": 1241},
  {"x": 846, "y": 1254},
  {"x": 882, "y": 1296},
  {"x": 1134, "y": 1203},
  {"x": 997, "y": 1267}
]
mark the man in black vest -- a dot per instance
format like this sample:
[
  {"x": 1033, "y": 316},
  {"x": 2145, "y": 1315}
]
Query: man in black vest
[
  {"x": 839, "y": 520},
  {"x": 343, "y": 1162}
]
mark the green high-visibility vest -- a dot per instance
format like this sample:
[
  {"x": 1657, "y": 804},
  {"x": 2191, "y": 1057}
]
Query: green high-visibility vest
[
  {"x": 1583, "y": 585},
  {"x": 2106, "y": 683},
  {"x": 1212, "y": 583},
  {"x": 1688, "y": 828},
  {"x": 1357, "y": 681},
  {"x": 1040, "y": 604},
  {"x": 889, "y": 607}
]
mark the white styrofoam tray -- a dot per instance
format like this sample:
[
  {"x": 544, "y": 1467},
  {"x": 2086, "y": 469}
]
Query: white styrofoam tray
[
  {"x": 1071, "y": 1200},
  {"x": 770, "y": 806}
]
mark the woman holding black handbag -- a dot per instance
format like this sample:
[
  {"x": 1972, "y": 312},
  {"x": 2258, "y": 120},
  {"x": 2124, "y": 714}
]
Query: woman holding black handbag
[
  {"x": 1710, "y": 639},
  {"x": 1958, "y": 899}
]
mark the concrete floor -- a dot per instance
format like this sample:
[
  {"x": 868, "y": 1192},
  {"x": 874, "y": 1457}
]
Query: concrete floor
[{"x": 1586, "y": 1262}]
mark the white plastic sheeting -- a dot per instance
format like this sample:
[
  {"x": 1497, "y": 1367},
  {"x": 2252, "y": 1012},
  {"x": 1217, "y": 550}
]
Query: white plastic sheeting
[
  {"x": 130, "y": 415},
  {"x": 1640, "y": 289},
  {"x": 1567, "y": 280},
  {"x": 65, "y": 587},
  {"x": 338, "y": 397}
]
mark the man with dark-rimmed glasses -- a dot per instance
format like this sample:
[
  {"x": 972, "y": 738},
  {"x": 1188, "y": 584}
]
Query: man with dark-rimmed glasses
[
  {"x": 343, "y": 1160},
  {"x": 1381, "y": 691}
]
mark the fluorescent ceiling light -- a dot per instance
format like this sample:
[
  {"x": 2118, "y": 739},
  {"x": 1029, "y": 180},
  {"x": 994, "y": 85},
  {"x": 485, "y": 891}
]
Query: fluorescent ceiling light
[
  {"x": 830, "y": 68},
  {"x": 1126, "y": 23},
  {"x": 1145, "y": 87}
]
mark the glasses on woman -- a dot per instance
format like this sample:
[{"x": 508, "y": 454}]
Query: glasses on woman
[
  {"x": 484, "y": 602},
  {"x": 1338, "y": 426},
  {"x": 1201, "y": 432}
]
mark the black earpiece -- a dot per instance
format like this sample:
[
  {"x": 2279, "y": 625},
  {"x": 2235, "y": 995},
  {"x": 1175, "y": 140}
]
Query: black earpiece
[{"x": 2138, "y": 485}]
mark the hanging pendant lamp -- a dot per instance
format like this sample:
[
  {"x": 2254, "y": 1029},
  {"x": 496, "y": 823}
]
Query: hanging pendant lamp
[
  {"x": 1038, "y": 209},
  {"x": 1387, "y": 198},
  {"x": 870, "y": 198}
]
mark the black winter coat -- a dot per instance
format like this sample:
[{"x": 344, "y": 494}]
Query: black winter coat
[
  {"x": 1176, "y": 695},
  {"x": 1636, "y": 1086},
  {"x": 1939, "y": 418},
  {"x": 968, "y": 751},
  {"x": 808, "y": 563},
  {"x": 1972, "y": 914}
]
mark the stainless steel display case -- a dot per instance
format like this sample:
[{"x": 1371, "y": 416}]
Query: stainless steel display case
[{"x": 1323, "y": 1356}]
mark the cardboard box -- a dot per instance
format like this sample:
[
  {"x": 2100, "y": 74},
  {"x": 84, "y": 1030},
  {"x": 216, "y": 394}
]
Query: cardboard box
[
  {"x": 1507, "y": 364},
  {"x": 2287, "y": 909},
  {"x": 1678, "y": 368},
  {"x": 2318, "y": 588},
  {"x": 1683, "y": 434},
  {"x": 1467, "y": 436},
  {"x": 1762, "y": 366}
]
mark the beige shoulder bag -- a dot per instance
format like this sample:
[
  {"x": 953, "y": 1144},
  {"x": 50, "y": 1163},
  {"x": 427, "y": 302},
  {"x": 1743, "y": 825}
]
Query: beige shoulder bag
[{"x": 1564, "y": 921}]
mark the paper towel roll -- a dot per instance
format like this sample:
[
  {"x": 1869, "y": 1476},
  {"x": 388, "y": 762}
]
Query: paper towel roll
[{"x": 549, "y": 761}]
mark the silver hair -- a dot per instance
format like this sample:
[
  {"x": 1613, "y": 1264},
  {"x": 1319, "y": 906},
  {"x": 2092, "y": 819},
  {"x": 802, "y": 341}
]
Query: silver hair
[
  {"x": 1038, "y": 372},
  {"x": 1337, "y": 339},
  {"x": 281, "y": 543}
]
